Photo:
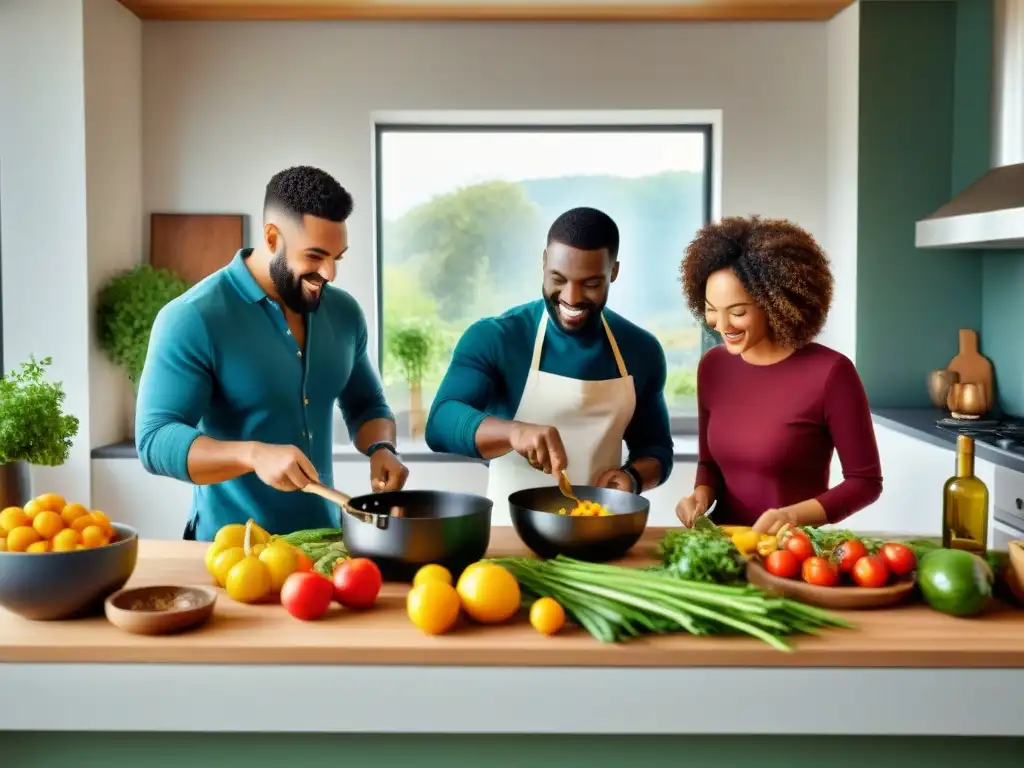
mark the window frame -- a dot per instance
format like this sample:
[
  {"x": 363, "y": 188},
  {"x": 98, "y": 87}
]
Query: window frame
[{"x": 706, "y": 122}]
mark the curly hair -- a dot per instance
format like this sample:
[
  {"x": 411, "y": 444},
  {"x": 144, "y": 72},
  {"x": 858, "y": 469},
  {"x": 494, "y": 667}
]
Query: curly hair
[
  {"x": 303, "y": 190},
  {"x": 780, "y": 265}
]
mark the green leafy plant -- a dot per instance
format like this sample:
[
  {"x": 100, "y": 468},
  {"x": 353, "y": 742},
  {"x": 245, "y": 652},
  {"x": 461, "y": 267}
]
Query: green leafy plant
[
  {"x": 126, "y": 308},
  {"x": 412, "y": 347},
  {"x": 33, "y": 425}
]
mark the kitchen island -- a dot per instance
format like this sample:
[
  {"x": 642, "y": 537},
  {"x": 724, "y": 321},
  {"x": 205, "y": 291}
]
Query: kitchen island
[{"x": 902, "y": 671}]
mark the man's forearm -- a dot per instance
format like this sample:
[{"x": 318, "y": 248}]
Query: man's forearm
[
  {"x": 213, "y": 461},
  {"x": 376, "y": 431},
  {"x": 494, "y": 437}
]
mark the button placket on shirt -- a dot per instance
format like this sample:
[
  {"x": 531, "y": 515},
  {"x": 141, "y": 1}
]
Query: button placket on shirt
[{"x": 304, "y": 362}]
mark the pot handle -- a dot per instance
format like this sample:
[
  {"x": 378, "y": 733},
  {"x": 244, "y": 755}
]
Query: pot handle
[{"x": 344, "y": 501}]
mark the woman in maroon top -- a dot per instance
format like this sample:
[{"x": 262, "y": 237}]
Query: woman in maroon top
[{"x": 772, "y": 403}]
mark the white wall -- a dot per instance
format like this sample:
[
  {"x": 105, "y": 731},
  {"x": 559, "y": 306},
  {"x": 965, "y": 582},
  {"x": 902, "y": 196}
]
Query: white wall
[
  {"x": 70, "y": 188},
  {"x": 840, "y": 240},
  {"x": 113, "y": 146},
  {"x": 227, "y": 105},
  {"x": 43, "y": 209}
]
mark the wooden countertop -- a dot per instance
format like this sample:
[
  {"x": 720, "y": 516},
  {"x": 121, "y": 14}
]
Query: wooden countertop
[{"x": 912, "y": 636}]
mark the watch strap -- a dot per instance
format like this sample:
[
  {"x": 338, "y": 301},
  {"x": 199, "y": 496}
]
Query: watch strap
[
  {"x": 635, "y": 477},
  {"x": 386, "y": 444}
]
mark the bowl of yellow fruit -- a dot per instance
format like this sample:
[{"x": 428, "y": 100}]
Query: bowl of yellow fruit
[
  {"x": 603, "y": 526},
  {"x": 61, "y": 560}
]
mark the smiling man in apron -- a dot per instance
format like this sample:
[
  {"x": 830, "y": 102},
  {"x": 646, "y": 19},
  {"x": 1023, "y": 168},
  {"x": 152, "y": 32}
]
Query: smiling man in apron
[{"x": 560, "y": 383}]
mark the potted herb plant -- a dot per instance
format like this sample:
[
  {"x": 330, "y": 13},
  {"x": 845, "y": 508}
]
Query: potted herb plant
[
  {"x": 126, "y": 309},
  {"x": 412, "y": 347},
  {"x": 33, "y": 428}
]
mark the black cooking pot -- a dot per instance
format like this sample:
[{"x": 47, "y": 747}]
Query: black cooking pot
[
  {"x": 401, "y": 531},
  {"x": 535, "y": 517}
]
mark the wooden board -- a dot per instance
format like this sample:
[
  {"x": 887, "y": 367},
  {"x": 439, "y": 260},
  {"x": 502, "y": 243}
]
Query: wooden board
[
  {"x": 487, "y": 10},
  {"x": 194, "y": 245},
  {"x": 911, "y": 636}
]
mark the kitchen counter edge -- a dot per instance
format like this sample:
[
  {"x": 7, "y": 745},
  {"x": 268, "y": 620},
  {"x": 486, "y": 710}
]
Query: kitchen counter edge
[{"x": 919, "y": 423}]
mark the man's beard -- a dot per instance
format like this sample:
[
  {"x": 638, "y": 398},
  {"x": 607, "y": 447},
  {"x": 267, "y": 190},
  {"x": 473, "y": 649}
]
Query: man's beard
[
  {"x": 592, "y": 310},
  {"x": 289, "y": 287}
]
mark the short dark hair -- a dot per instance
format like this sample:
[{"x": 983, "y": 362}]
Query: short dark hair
[
  {"x": 587, "y": 229},
  {"x": 780, "y": 265},
  {"x": 303, "y": 190}
]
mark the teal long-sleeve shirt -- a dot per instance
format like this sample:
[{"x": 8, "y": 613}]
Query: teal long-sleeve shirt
[
  {"x": 490, "y": 364},
  {"x": 223, "y": 363}
]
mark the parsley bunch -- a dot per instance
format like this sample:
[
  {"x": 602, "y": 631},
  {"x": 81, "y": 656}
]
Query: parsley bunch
[{"x": 33, "y": 425}]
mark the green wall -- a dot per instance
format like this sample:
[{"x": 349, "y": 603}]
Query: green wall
[
  {"x": 910, "y": 302},
  {"x": 925, "y": 74}
]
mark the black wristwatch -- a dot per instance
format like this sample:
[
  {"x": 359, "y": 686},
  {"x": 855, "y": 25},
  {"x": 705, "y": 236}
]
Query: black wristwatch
[
  {"x": 638, "y": 484},
  {"x": 386, "y": 444}
]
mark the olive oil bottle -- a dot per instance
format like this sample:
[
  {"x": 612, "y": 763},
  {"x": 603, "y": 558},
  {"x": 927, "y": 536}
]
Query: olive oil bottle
[{"x": 965, "y": 504}]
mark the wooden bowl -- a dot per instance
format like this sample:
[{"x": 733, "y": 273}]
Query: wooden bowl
[
  {"x": 837, "y": 598},
  {"x": 160, "y": 610}
]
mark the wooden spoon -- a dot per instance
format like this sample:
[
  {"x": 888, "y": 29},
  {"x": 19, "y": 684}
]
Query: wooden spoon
[{"x": 566, "y": 488}]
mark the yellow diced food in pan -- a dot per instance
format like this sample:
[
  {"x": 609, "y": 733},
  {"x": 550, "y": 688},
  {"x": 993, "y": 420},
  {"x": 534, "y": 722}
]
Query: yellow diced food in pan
[{"x": 586, "y": 509}]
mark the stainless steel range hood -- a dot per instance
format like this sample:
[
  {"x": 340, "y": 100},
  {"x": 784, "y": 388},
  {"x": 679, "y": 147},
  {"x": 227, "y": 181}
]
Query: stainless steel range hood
[{"x": 990, "y": 212}]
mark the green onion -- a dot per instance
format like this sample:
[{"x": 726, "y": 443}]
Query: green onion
[{"x": 615, "y": 604}]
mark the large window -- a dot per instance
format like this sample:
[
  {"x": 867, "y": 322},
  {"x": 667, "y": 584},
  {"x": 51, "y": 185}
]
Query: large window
[{"x": 462, "y": 216}]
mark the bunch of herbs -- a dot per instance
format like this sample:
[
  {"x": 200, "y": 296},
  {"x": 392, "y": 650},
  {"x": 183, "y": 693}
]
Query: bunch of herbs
[{"x": 33, "y": 425}]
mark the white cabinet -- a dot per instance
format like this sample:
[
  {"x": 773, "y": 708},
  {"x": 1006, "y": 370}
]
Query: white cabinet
[{"x": 913, "y": 472}]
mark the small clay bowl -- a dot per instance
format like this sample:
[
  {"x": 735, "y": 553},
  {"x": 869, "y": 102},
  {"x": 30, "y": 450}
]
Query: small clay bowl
[{"x": 159, "y": 610}]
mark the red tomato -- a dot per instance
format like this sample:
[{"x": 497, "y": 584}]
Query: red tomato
[
  {"x": 899, "y": 557},
  {"x": 782, "y": 563},
  {"x": 871, "y": 571},
  {"x": 357, "y": 583},
  {"x": 307, "y": 595},
  {"x": 800, "y": 547},
  {"x": 820, "y": 572},
  {"x": 848, "y": 553}
]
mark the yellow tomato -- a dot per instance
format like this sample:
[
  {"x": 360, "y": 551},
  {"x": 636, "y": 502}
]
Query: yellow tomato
[
  {"x": 433, "y": 606},
  {"x": 746, "y": 541},
  {"x": 13, "y": 517},
  {"x": 233, "y": 535},
  {"x": 38, "y": 546},
  {"x": 248, "y": 580},
  {"x": 53, "y": 502},
  {"x": 103, "y": 522},
  {"x": 72, "y": 512},
  {"x": 48, "y": 524},
  {"x": 33, "y": 508},
  {"x": 21, "y": 538},
  {"x": 489, "y": 593},
  {"x": 432, "y": 573},
  {"x": 547, "y": 615},
  {"x": 66, "y": 541},
  {"x": 81, "y": 523},
  {"x": 211, "y": 556},
  {"x": 280, "y": 562},
  {"x": 225, "y": 561},
  {"x": 93, "y": 536}
]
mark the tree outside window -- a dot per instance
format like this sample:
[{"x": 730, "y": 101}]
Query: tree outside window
[{"x": 463, "y": 213}]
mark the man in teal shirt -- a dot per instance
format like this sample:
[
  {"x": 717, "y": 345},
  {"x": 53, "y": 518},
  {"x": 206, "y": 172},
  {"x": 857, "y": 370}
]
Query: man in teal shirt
[
  {"x": 243, "y": 371},
  {"x": 560, "y": 383}
]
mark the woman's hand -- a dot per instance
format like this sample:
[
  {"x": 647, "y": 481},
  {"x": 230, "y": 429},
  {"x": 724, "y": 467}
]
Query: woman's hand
[
  {"x": 771, "y": 520},
  {"x": 690, "y": 508}
]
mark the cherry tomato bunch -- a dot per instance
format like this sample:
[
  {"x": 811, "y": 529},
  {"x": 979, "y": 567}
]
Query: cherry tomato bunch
[{"x": 850, "y": 561}]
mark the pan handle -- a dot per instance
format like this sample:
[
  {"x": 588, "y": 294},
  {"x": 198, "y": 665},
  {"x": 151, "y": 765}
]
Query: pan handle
[{"x": 344, "y": 501}]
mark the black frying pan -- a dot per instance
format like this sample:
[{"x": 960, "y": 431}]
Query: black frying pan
[
  {"x": 535, "y": 517},
  {"x": 401, "y": 531}
]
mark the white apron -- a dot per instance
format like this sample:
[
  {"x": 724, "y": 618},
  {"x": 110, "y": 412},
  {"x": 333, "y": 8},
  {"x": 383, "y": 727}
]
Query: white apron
[{"x": 591, "y": 417}]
